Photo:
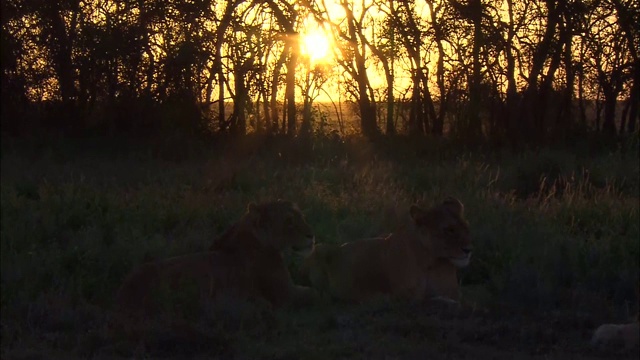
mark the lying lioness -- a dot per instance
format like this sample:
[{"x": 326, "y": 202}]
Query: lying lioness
[
  {"x": 246, "y": 263},
  {"x": 417, "y": 262},
  {"x": 621, "y": 336}
]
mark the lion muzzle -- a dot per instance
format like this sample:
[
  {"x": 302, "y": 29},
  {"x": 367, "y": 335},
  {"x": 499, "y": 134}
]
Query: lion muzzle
[
  {"x": 306, "y": 249},
  {"x": 462, "y": 261}
]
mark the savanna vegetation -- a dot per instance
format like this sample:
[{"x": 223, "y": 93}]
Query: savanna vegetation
[
  {"x": 555, "y": 235},
  {"x": 140, "y": 130}
]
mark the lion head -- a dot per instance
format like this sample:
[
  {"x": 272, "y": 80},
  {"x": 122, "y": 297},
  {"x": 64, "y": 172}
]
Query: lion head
[
  {"x": 276, "y": 224},
  {"x": 443, "y": 231}
]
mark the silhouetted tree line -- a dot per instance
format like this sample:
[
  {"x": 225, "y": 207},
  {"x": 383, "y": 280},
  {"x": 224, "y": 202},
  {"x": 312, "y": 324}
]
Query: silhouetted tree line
[{"x": 502, "y": 70}]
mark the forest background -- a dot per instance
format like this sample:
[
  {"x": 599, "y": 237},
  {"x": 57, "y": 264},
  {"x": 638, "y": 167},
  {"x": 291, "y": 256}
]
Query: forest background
[{"x": 506, "y": 71}]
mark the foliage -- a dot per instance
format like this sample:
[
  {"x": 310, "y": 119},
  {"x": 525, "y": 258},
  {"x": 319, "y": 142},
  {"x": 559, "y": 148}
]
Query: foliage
[{"x": 506, "y": 71}]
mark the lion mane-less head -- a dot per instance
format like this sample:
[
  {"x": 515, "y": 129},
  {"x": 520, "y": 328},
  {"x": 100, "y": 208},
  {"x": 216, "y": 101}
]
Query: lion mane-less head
[
  {"x": 276, "y": 224},
  {"x": 443, "y": 231}
]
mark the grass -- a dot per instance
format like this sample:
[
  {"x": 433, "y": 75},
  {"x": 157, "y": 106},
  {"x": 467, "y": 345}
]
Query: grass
[{"x": 556, "y": 236}]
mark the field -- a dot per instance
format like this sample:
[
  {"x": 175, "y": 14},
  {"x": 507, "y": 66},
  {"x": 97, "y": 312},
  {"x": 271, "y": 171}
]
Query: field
[{"x": 555, "y": 231}]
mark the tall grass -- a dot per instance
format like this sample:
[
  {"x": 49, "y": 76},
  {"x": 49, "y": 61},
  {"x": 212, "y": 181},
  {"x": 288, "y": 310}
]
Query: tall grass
[{"x": 552, "y": 230}]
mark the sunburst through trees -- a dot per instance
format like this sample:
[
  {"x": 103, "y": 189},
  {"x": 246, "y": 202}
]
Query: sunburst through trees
[{"x": 476, "y": 68}]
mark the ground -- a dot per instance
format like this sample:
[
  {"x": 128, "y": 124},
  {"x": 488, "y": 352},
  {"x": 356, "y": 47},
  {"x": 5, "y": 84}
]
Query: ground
[{"x": 555, "y": 231}]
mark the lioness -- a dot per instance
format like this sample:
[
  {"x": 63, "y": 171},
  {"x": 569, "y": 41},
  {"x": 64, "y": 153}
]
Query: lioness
[
  {"x": 623, "y": 336},
  {"x": 246, "y": 262},
  {"x": 417, "y": 262}
]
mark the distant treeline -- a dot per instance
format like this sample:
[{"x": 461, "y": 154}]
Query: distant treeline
[{"x": 509, "y": 71}]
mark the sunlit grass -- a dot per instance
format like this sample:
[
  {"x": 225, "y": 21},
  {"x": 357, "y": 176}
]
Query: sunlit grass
[{"x": 553, "y": 231}]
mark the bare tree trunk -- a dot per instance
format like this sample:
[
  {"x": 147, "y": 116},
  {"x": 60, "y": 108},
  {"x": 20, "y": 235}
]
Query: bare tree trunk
[
  {"x": 564, "y": 120},
  {"x": 368, "y": 122},
  {"x": 388, "y": 70},
  {"x": 437, "y": 122},
  {"x": 290, "y": 89},
  {"x": 625, "y": 114},
  {"x": 530, "y": 102},
  {"x": 266, "y": 124},
  {"x": 217, "y": 60},
  {"x": 546, "y": 89},
  {"x": 474, "y": 126},
  {"x": 512, "y": 129},
  {"x": 287, "y": 19},
  {"x": 391, "y": 128},
  {"x": 429, "y": 109},
  {"x": 634, "y": 98},
  {"x": 221, "y": 112},
  {"x": 238, "y": 117},
  {"x": 273, "y": 127},
  {"x": 415, "y": 116},
  {"x": 609, "y": 125},
  {"x": 367, "y": 109},
  {"x": 305, "y": 127},
  {"x": 60, "y": 43}
]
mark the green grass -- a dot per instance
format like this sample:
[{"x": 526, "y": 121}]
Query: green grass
[{"x": 556, "y": 238}]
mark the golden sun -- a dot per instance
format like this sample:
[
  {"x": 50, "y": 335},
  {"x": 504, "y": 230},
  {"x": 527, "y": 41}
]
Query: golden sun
[{"x": 315, "y": 45}]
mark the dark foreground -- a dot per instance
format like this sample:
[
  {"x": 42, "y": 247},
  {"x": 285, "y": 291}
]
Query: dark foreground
[
  {"x": 378, "y": 330},
  {"x": 555, "y": 232}
]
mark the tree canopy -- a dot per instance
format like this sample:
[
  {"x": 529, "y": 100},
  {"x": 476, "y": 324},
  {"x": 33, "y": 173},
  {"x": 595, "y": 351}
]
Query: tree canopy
[{"x": 476, "y": 69}]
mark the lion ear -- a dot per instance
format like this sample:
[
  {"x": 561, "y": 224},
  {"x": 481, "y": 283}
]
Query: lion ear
[
  {"x": 286, "y": 203},
  {"x": 454, "y": 205}
]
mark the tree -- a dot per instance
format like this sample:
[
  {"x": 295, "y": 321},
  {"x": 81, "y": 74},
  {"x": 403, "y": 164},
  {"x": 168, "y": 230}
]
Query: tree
[
  {"x": 351, "y": 56},
  {"x": 610, "y": 57}
]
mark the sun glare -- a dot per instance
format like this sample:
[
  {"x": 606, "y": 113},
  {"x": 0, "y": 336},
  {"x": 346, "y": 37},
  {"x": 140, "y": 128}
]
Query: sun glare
[{"x": 315, "y": 45}]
